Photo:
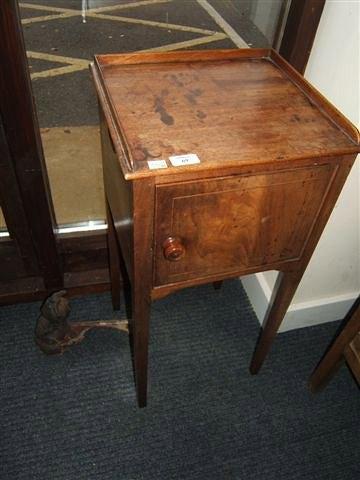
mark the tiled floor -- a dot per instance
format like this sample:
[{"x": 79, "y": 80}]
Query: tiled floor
[{"x": 60, "y": 46}]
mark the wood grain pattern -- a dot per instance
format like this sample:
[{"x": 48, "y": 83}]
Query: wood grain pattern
[
  {"x": 238, "y": 222},
  {"x": 274, "y": 155},
  {"x": 289, "y": 280},
  {"x": 316, "y": 98},
  {"x": 240, "y": 111},
  {"x": 103, "y": 61}
]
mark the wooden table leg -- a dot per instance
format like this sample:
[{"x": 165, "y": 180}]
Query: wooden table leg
[
  {"x": 285, "y": 288},
  {"x": 140, "y": 342},
  {"x": 334, "y": 356},
  {"x": 141, "y": 282},
  {"x": 114, "y": 260}
]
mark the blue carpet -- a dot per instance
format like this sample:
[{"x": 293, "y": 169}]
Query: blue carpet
[{"x": 74, "y": 417}]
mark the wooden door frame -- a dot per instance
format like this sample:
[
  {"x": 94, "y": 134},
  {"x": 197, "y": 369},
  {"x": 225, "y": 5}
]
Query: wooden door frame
[
  {"x": 78, "y": 262},
  {"x": 299, "y": 34},
  {"x": 25, "y": 160}
]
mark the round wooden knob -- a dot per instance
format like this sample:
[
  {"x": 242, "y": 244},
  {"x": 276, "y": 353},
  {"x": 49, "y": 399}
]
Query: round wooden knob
[{"x": 173, "y": 249}]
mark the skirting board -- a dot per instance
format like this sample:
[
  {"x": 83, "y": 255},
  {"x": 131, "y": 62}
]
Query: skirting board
[{"x": 305, "y": 314}]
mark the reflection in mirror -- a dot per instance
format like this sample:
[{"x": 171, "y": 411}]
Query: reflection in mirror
[
  {"x": 3, "y": 229},
  {"x": 61, "y": 38}
]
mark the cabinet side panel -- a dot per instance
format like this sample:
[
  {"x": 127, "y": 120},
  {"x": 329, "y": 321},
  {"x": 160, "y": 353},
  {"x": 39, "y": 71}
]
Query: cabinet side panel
[{"x": 119, "y": 196}]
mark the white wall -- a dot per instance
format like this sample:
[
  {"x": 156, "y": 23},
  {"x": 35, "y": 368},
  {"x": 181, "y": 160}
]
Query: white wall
[{"x": 332, "y": 280}]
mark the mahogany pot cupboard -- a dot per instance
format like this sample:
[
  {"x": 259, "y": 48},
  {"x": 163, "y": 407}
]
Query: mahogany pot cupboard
[{"x": 217, "y": 164}]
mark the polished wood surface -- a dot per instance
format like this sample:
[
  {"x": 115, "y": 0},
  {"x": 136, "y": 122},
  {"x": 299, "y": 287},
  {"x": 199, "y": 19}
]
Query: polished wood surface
[
  {"x": 240, "y": 110},
  {"x": 235, "y": 223},
  {"x": 274, "y": 155}
]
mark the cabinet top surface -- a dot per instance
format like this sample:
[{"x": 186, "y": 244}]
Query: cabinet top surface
[{"x": 227, "y": 107}]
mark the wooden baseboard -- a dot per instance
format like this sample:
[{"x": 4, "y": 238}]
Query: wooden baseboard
[
  {"x": 84, "y": 261},
  {"x": 32, "y": 289}
]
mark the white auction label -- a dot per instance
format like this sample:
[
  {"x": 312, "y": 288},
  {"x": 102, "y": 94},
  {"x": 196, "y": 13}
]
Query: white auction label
[
  {"x": 179, "y": 160},
  {"x": 154, "y": 164}
]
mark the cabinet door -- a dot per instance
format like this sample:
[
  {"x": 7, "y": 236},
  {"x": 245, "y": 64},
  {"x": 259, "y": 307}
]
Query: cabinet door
[{"x": 236, "y": 223}]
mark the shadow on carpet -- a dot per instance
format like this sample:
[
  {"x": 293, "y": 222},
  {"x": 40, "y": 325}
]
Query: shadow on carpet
[{"x": 75, "y": 417}]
